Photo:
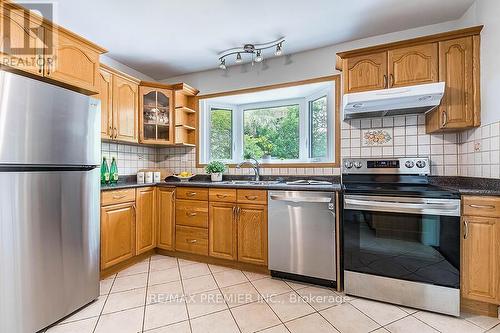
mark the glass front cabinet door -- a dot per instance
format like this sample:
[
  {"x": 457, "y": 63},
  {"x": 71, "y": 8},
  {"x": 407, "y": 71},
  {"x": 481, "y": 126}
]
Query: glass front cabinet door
[{"x": 156, "y": 126}]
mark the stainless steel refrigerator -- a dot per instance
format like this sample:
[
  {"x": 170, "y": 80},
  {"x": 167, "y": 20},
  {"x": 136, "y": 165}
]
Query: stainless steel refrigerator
[{"x": 49, "y": 202}]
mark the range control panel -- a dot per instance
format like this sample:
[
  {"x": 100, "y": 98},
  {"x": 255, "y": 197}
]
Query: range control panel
[{"x": 394, "y": 165}]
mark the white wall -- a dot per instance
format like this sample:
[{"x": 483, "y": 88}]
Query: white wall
[
  {"x": 294, "y": 67},
  {"x": 124, "y": 68},
  {"x": 487, "y": 12}
]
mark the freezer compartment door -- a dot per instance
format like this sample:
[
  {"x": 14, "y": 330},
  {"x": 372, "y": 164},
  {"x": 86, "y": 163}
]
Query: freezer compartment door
[
  {"x": 302, "y": 233},
  {"x": 49, "y": 246},
  {"x": 44, "y": 124}
]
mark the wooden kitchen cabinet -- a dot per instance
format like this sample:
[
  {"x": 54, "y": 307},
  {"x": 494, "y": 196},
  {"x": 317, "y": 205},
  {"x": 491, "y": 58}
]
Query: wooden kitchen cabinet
[
  {"x": 125, "y": 108},
  {"x": 191, "y": 213},
  {"x": 460, "y": 106},
  {"x": 480, "y": 268},
  {"x": 480, "y": 259},
  {"x": 252, "y": 233},
  {"x": 412, "y": 65},
  {"x": 105, "y": 95},
  {"x": 450, "y": 57},
  {"x": 71, "y": 61},
  {"x": 222, "y": 230},
  {"x": 365, "y": 72},
  {"x": 33, "y": 45},
  {"x": 118, "y": 93},
  {"x": 156, "y": 115},
  {"x": 166, "y": 218},
  {"x": 21, "y": 46},
  {"x": 146, "y": 219},
  {"x": 117, "y": 233}
]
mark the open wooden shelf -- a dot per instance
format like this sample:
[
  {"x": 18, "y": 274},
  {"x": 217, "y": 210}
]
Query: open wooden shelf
[{"x": 185, "y": 118}]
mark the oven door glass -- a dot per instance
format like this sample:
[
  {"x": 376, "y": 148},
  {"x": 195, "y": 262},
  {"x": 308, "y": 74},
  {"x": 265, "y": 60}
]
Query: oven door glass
[{"x": 415, "y": 247}]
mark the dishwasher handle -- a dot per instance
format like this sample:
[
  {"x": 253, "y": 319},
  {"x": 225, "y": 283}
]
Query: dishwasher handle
[{"x": 300, "y": 199}]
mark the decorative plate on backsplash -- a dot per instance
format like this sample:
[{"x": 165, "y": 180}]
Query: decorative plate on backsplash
[{"x": 377, "y": 137}]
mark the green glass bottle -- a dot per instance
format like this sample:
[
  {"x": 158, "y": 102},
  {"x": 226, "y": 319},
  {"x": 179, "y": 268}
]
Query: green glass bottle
[
  {"x": 104, "y": 171},
  {"x": 114, "y": 171}
]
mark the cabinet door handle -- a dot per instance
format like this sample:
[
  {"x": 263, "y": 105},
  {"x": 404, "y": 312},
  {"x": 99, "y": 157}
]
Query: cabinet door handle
[
  {"x": 234, "y": 213},
  {"x": 119, "y": 196},
  {"x": 466, "y": 229},
  {"x": 190, "y": 214},
  {"x": 191, "y": 194},
  {"x": 48, "y": 63},
  {"x": 221, "y": 196},
  {"x": 191, "y": 241},
  {"x": 391, "y": 80},
  {"x": 111, "y": 132},
  {"x": 445, "y": 119},
  {"x": 385, "y": 81},
  {"x": 251, "y": 197},
  {"x": 135, "y": 211},
  {"x": 482, "y": 206},
  {"x": 40, "y": 64}
]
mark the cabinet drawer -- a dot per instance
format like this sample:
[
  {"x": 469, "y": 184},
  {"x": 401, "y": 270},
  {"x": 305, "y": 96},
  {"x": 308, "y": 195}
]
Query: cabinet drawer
[
  {"x": 192, "y": 193},
  {"x": 481, "y": 206},
  {"x": 191, "y": 239},
  {"x": 117, "y": 196},
  {"x": 191, "y": 213},
  {"x": 222, "y": 194},
  {"x": 252, "y": 196}
]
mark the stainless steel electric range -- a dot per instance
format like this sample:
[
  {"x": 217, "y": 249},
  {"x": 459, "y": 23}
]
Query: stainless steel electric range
[{"x": 401, "y": 235}]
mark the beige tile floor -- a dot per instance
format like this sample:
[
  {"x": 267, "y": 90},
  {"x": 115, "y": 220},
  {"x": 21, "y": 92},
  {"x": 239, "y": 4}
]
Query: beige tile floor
[{"x": 169, "y": 295}]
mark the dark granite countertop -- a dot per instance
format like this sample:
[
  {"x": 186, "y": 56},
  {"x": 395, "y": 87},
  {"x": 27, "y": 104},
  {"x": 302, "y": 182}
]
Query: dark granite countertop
[
  {"x": 204, "y": 181},
  {"x": 468, "y": 185}
]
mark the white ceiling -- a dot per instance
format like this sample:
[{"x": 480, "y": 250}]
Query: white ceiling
[
  {"x": 164, "y": 38},
  {"x": 278, "y": 94}
]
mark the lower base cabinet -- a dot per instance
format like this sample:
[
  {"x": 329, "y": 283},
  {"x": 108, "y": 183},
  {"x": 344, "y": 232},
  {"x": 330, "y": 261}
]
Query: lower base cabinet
[
  {"x": 237, "y": 226},
  {"x": 481, "y": 249},
  {"x": 191, "y": 239},
  {"x": 117, "y": 233},
  {"x": 222, "y": 229},
  {"x": 252, "y": 234},
  {"x": 146, "y": 219},
  {"x": 166, "y": 218}
]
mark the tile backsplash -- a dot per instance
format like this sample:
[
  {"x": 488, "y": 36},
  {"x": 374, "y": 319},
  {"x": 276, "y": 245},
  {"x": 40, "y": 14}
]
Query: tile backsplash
[
  {"x": 400, "y": 136},
  {"x": 479, "y": 151},
  {"x": 474, "y": 152}
]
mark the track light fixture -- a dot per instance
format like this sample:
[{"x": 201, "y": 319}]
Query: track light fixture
[
  {"x": 254, "y": 50},
  {"x": 222, "y": 64}
]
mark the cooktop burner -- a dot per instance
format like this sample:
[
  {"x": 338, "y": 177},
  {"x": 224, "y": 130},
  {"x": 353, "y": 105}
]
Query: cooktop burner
[{"x": 405, "y": 177}]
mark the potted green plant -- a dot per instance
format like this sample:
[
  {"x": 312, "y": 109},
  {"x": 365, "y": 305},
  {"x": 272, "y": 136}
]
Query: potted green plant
[
  {"x": 215, "y": 169},
  {"x": 267, "y": 147}
]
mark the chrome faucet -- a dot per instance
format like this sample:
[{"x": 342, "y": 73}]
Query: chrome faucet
[{"x": 255, "y": 166}]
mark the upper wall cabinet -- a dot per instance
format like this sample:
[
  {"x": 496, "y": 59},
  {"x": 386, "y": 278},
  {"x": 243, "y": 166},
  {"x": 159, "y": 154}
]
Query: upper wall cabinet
[
  {"x": 156, "y": 107},
  {"x": 20, "y": 42},
  {"x": 451, "y": 57},
  {"x": 366, "y": 72},
  {"x": 119, "y": 95},
  {"x": 41, "y": 49},
  {"x": 459, "y": 68},
  {"x": 413, "y": 65}
]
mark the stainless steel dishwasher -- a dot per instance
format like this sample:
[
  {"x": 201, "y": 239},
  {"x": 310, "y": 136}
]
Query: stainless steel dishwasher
[{"x": 302, "y": 235}]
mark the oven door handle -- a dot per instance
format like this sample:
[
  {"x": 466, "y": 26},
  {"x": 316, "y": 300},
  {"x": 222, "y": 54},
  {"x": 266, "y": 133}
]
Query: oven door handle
[{"x": 449, "y": 209}]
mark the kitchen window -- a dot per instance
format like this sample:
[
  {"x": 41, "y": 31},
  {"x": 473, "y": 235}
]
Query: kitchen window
[{"x": 282, "y": 126}]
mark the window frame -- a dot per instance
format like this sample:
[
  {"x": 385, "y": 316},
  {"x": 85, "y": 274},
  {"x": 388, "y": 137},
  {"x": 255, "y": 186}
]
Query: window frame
[
  {"x": 334, "y": 123},
  {"x": 330, "y": 119}
]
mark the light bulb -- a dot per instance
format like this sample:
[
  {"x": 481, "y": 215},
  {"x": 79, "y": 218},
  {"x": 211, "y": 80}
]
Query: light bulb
[
  {"x": 222, "y": 64},
  {"x": 258, "y": 58},
  {"x": 238, "y": 58},
  {"x": 279, "y": 51}
]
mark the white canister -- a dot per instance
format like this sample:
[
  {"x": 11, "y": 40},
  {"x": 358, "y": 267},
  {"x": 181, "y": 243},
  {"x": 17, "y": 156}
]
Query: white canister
[
  {"x": 140, "y": 177},
  {"x": 149, "y": 177},
  {"x": 157, "y": 177}
]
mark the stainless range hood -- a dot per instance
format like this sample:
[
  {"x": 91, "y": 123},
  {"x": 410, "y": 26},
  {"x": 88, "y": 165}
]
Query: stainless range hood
[{"x": 395, "y": 101}]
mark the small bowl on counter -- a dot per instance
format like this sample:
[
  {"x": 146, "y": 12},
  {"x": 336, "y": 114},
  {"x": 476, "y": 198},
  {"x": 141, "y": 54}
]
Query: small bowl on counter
[{"x": 184, "y": 179}]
